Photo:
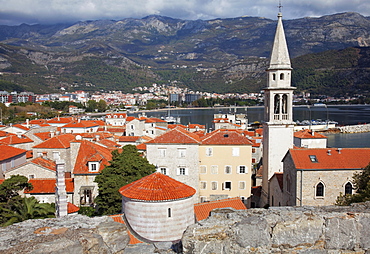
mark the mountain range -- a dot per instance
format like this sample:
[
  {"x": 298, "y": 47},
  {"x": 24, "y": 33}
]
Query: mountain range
[{"x": 330, "y": 54}]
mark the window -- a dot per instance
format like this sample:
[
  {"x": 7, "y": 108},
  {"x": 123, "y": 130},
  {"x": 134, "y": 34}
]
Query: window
[
  {"x": 209, "y": 151},
  {"x": 162, "y": 152},
  {"x": 182, "y": 171},
  {"x": 132, "y": 127},
  {"x": 273, "y": 76},
  {"x": 181, "y": 152},
  {"x": 203, "y": 169},
  {"x": 313, "y": 158},
  {"x": 86, "y": 195},
  {"x": 235, "y": 151},
  {"x": 253, "y": 150},
  {"x": 227, "y": 186},
  {"x": 163, "y": 171},
  {"x": 169, "y": 213},
  {"x": 203, "y": 199},
  {"x": 320, "y": 190},
  {"x": 227, "y": 169},
  {"x": 214, "y": 185},
  {"x": 242, "y": 185},
  {"x": 203, "y": 185},
  {"x": 281, "y": 76},
  {"x": 348, "y": 188},
  {"x": 214, "y": 169},
  {"x": 31, "y": 176},
  {"x": 39, "y": 154},
  {"x": 93, "y": 166},
  {"x": 253, "y": 160},
  {"x": 242, "y": 170}
]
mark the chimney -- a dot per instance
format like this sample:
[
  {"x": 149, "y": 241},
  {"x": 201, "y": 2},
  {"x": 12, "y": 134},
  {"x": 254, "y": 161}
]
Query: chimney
[
  {"x": 339, "y": 150},
  {"x": 97, "y": 138},
  {"x": 28, "y": 123},
  {"x": 51, "y": 134},
  {"x": 61, "y": 204},
  {"x": 19, "y": 134},
  {"x": 329, "y": 152}
]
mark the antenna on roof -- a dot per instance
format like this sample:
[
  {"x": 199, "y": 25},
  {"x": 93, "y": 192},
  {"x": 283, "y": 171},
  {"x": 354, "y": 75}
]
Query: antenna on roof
[{"x": 280, "y": 6}]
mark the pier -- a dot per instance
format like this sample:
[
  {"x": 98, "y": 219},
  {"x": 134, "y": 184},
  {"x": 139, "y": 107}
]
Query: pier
[{"x": 355, "y": 128}]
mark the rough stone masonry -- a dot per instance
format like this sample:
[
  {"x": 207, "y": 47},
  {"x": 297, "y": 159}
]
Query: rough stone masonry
[{"x": 318, "y": 230}]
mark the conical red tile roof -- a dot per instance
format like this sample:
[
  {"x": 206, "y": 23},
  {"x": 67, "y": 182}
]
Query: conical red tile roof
[{"x": 157, "y": 187}]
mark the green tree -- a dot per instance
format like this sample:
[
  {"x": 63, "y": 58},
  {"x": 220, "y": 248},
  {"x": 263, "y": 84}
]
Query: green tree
[
  {"x": 361, "y": 185},
  {"x": 10, "y": 187},
  {"x": 125, "y": 167},
  {"x": 102, "y": 106},
  {"x": 27, "y": 208},
  {"x": 91, "y": 106}
]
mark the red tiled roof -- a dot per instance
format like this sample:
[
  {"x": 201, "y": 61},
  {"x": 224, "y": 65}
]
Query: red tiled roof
[
  {"x": 157, "y": 187},
  {"x": 29, "y": 154},
  {"x": 47, "y": 185},
  {"x": 128, "y": 138},
  {"x": 141, "y": 147},
  {"x": 60, "y": 120},
  {"x": 109, "y": 143},
  {"x": 193, "y": 126},
  {"x": 43, "y": 135},
  {"x": 221, "y": 137},
  {"x": 176, "y": 136},
  {"x": 36, "y": 121},
  {"x": 173, "y": 126},
  {"x": 21, "y": 127},
  {"x": 345, "y": 158},
  {"x": 130, "y": 118},
  {"x": 81, "y": 124},
  {"x": 14, "y": 140},
  {"x": 259, "y": 131},
  {"x": 4, "y": 134},
  {"x": 154, "y": 120},
  {"x": 71, "y": 208},
  {"x": 124, "y": 115},
  {"x": 8, "y": 152},
  {"x": 118, "y": 218},
  {"x": 202, "y": 210},
  {"x": 60, "y": 141},
  {"x": 49, "y": 164},
  {"x": 308, "y": 134},
  {"x": 90, "y": 152}
]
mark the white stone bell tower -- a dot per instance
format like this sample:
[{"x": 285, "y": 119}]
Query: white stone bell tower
[{"x": 278, "y": 124}]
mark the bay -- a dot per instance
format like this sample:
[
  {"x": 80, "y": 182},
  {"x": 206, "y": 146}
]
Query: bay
[{"x": 343, "y": 114}]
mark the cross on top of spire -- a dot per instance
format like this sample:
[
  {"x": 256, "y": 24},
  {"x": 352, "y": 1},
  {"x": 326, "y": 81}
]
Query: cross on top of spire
[{"x": 280, "y": 6}]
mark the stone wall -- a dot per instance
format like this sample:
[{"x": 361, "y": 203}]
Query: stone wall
[
  {"x": 275, "y": 230},
  {"x": 282, "y": 230},
  {"x": 355, "y": 128}
]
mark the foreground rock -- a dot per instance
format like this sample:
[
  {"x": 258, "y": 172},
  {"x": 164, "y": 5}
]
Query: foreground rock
[{"x": 282, "y": 230}]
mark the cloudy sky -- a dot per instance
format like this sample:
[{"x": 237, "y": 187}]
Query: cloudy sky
[{"x": 15, "y": 12}]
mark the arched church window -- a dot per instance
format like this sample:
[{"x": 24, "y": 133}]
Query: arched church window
[
  {"x": 281, "y": 76},
  {"x": 348, "y": 188},
  {"x": 273, "y": 76},
  {"x": 285, "y": 104},
  {"x": 276, "y": 104},
  {"x": 320, "y": 190}
]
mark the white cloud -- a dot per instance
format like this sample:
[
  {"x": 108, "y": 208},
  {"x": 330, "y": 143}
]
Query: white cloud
[{"x": 51, "y": 11}]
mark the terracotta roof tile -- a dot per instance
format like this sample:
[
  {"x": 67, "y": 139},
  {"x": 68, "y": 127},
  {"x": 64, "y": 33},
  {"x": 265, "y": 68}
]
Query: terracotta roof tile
[
  {"x": 21, "y": 127},
  {"x": 130, "y": 118},
  {"x": 71, "y": 208},
  {"x": 118, "y": 115},
  {"x": 14, "y": 140},
  {"x": 141, "y": 147},
  {"x": 202, "y": 210},
  {"x": 173, "y": 126},
  {"x": 176, "y": 136},
  {"x": 157, "y": 187},
  {"x": 109, "y": 143},
  {"x": 90, "y": 152},
  {"x": 47, "y": 185},
  {"x": 49, "y": 164},
  {"x": 221, "y": 137},
  {"x": 60, "y": 120},
  {"x": 43, "y": 135},
  {"x": 331, "y": 158},
  {"x": 194, "y": 126},
  {"x": 60, "y": 141},
  {"x": 8, "y": 152},
  {"x": 154, "y": 120},
  {"x": 308, "y": 134},
  {"x": 81, "y": 124},
  {"x": 128, "y": 138}
]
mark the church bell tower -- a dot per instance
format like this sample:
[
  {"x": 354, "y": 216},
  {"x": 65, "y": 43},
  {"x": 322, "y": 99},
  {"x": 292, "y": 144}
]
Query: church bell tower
[{"x": 278, "y": 115}]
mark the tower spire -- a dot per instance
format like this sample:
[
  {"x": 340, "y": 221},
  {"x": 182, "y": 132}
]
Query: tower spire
[{"x": 279, "y": 55}]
